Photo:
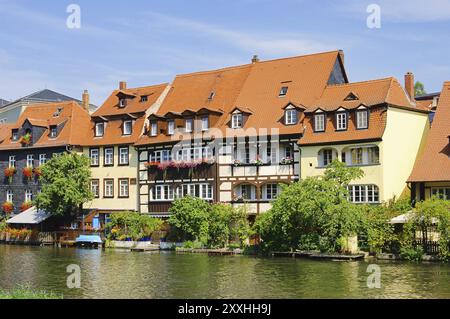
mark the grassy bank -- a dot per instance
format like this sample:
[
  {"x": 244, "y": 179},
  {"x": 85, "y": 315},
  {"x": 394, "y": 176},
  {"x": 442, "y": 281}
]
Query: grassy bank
[{"x": 25, "y": 292}]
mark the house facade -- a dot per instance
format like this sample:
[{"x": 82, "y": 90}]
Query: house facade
[
  {"x": 41, "y": 132},
  {"x": 373, "y": 125},
  {"x": 431, "y": 173},
  {"x": 109, "y": 144}
]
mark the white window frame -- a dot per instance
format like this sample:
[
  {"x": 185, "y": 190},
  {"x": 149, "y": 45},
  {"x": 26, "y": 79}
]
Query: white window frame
[
  {"x": 124, "y": 188},
  {"x": 15, "y": 135},
  {"x": 53, "y": 131},
  {"x": 171, "y": 127},
  {"x": 205, "y": 123},
  {"x": 95, "y": 187},
  {"x": 290, "y": 117},
  {"x": 283, "y": 91},
  {"x": 189, "y": 125},
  {"x": 28, "y": 195},
  {"x": 42, "y": 159},
  {"x": 127, "y": 127},
  {"x": 341, "y": 121},
  {"x": 441, "y": 192},
  {"x": 99, "y": 125},
  {"x": 364, "y": 194},
  {"x": 9, "y": 196},
  {"x": 153, "y": 128},
  {"x": 94, "y": 158},
  {"x": 319, "y": 122},
  {"x": 237, "y": 120},
  {"x": 30, "y": 160},
  {"x": 12, "y": 161},
  {"x": 124, "y": 156},
  {"x": 362, "y": 119},
  {"x": 122, "y": 102},
  {"x": 271, "y": 191},
  {"x": 109, "y": 156},
  {"x": 109, "y": 188}
]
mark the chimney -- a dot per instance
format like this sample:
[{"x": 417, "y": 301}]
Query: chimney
[
  {"x": 409, "y": 85},
  {"x": 85, "y": 99},
  {"x": 255, "y": 59},
  {"x": 341, "y": 54},
  {"x": 122, "y": 85}
]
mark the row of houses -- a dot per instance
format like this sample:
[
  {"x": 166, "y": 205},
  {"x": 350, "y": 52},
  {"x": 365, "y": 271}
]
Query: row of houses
[{"x": 235, "y": 135}]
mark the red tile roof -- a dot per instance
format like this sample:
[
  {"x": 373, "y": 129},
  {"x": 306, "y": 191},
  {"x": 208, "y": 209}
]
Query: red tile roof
[
  {"x": 73, "y": 133},
  {"x": 434, "y": 163}
]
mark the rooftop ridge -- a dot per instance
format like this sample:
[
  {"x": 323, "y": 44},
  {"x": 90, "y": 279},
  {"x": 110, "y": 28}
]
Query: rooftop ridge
[{"x": 390, "y": 78}]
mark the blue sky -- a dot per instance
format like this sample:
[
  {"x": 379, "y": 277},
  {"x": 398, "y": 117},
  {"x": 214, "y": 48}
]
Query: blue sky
[{"x": 148, "y": 42}]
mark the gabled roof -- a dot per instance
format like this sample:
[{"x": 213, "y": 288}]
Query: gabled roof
[
  {"x": 253, "y": 87},
  {"x": 46, "y": 95},
  {"x": 134, "y": 105},
  {"x": 434, "y": 163},
  {"x": 73, "y": 133},
  {"x": 375, "y": 95}
]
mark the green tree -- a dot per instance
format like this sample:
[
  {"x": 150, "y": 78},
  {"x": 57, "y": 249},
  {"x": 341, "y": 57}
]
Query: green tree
[
  {"x": 309, "y": 210},
  {"x": 419, "y": 89},
  {"x": 65, "y": 185},
  {"x": 190, "y": 215},
  {"x": 132, "y": 225}
]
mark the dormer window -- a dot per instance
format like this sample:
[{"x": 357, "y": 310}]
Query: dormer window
[
  {"x": 319, "y": 122},
  {"x": 99, "y": 129},
  {"x": 341, "y": 121},
  {"x": 283, "y": 91},
  {"x": 290, "y": 117},
  {"x": 144, "y": 98},
  {"x": 171, "y": 127},
  {"x": 53, "y": 131},
  {"x": 15, "y": 135},
  {"x": 122, "y": 102},
  {"x": 236, "y": 120},
  {"x": 189, "y": 125},
  {"x": 362, "y": 119},
  {"x": 127, "y": 127},
  {"x": 205, "y": 123},
  {"x": 153, "y": 129}
]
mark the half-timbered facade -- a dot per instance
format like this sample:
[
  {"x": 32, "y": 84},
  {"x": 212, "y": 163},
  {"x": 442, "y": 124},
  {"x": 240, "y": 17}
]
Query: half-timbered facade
[{"x": 40, "y": 132}]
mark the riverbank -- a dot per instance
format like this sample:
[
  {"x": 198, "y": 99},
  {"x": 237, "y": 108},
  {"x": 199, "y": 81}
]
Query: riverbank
[{"x": 25, "y": 292}]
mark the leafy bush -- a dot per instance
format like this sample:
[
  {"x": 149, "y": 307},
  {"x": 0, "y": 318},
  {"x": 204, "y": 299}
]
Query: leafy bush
[
  {"x": 132, "y": 225},
  {"x": 189, "y": 244},
  {"x": 411, "y": 254}
]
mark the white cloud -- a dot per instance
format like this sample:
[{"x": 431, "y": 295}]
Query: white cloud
[{"x": 262, "y": 42}]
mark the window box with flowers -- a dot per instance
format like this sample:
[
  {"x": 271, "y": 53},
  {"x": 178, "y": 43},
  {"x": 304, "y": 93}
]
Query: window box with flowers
[
  {"x": 25, "y": 206},
  {"x": 28, "y": 173},
  {"x": 37, "y": 172},
  {"x": 286, "y": 161},
  {"x": 7, "y": 207},
  {"x": 9, "y": 173},
  {"x": 26, "y": 139}
]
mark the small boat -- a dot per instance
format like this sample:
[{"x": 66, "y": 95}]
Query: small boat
[{"x": 89, "y": 241}]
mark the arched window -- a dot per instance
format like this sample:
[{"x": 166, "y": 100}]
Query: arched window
[
  {"x": 326, "y": 156},
  {"x": 361, "y": 155}
]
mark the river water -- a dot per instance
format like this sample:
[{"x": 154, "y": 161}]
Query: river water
[{"x": 122, "y": 274}]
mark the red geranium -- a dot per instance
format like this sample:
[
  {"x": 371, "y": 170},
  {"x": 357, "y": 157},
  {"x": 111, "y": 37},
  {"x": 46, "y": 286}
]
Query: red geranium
[
  {"x": 38, "y": 172},
  {"x": 25, "y": 206},
  {"x": 10, "y": 171},
  {"x": 28, "y": 172},
  {"x": 7, "y": 207}
]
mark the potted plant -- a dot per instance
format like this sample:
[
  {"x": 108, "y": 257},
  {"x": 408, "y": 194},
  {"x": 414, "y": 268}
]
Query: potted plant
[
  {"x": 9, "y": 172},
  {"x": 237, "y": 162},
  {"x": 257, "y": 161},
  {"x": 28, "y": 173},
  {"x": 286, "y": 160},
  {"x": 26, "y": 139},
  {"x": 152, "y": 164},
  {"x": 7, "y": 207}
]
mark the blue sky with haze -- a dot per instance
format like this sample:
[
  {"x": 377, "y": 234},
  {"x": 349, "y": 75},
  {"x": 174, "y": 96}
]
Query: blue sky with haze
[{"x": 148, "y": 42}]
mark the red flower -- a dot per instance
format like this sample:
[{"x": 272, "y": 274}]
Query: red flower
[
  {"x": 25, "y": 206},
  {"x": 10, "y": 171},
  {"x": 28, "y": 172},
  {"x": 7, "y": 207},
  {"x": 37, "y": 171}
]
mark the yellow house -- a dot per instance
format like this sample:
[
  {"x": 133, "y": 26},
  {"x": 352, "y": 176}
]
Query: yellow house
[
  {"x": 373, "y": 125},
  {"x": 431, "y": 173},
  {"x": 115, "y": 127}
]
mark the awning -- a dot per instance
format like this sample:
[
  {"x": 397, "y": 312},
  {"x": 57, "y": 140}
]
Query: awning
[
  {"x": 403, "y": 219},
  {"x": 89, "y": 239},
  {"x": 31, "y": 216}
]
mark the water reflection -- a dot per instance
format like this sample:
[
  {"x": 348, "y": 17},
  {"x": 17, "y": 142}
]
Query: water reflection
[{"x": 121, "y": 274}]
